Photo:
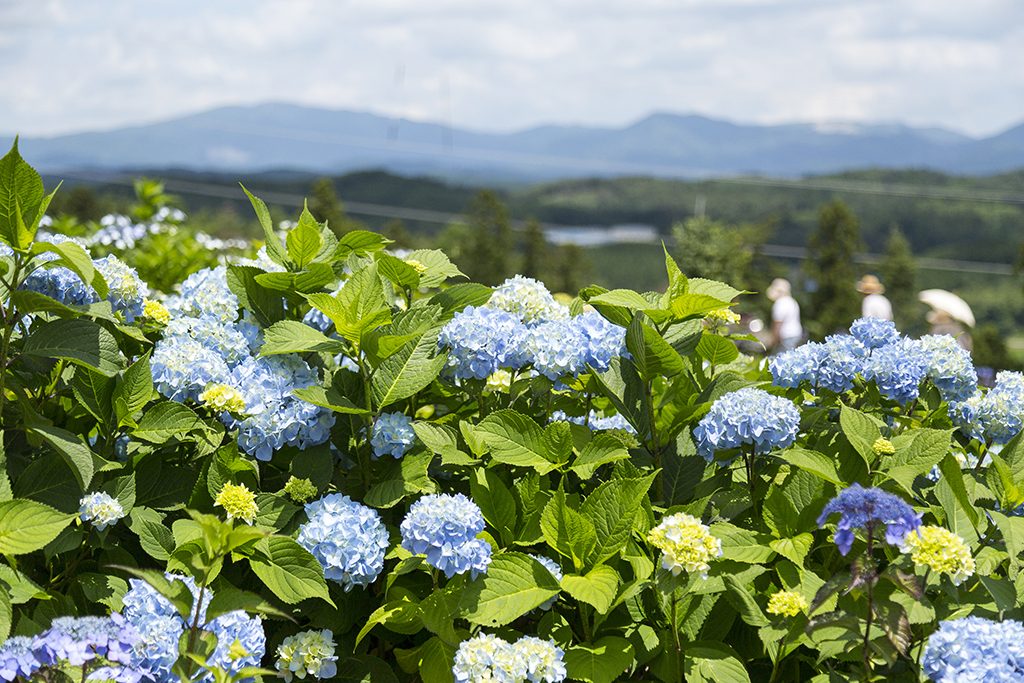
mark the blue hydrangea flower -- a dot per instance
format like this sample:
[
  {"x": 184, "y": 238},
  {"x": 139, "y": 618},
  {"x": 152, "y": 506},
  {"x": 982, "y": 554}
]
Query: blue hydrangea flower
[
  {"x": 749, "y": 416},
  {"x": 58, "y": 282},
  {"x": 995, "y": 416},
  {"x": 77, "y": 640},
  {"x": 869, "y": 510},
  {"x": 241, "y": 642},
  {"x": 205, "y": 292},
  {"x": 392, "y": 435},
  {"x": 274, "y": 416},
  {"x": 604, "y": 340},
  {"x": 541, "y": 659},
  {"x": 842, "y": 359},
  {"x": 874, "y": 333},
  {"x": 480, "y": 341},
  {"x": 554, "y": 348},
  {"x": 444, "y": 527},
  {"x": 182, "y": 368},
  {"x": 100, "y": 509},
  {"x": 18, "y": 659},
  {"x": 792, "y": 368},
  {"x": 975, "y": 649},
  {"x": 527, "y": 299},
  {"x": 950, "y": 367},
  {"x": 157, "y": 648},
  {"x": 126, "y": 291},
  {"x": 556, "y": 572},
  {"x": 318, "y": 320},
  {"x": 307, "y": 653},
  {"x": 142, "y": 599},
  {"x": 897, "y": 369},
  {"x": 487, "y": 658},
  {"x": 226, "y": 338},
  {"x": 594, "y": 422},
  {"x": 347, "y": 538}
]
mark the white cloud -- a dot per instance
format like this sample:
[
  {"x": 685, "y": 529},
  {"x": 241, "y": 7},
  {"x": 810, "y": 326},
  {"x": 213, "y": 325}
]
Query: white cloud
[{"x": 67, "y": 65}]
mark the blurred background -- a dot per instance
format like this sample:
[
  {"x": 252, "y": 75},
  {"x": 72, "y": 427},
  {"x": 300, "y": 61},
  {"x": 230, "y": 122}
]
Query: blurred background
[{"x": 814, "y": 141}]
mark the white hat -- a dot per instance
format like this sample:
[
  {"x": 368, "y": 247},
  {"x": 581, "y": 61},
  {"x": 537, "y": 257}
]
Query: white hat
[{"x": 778, "y": 289}]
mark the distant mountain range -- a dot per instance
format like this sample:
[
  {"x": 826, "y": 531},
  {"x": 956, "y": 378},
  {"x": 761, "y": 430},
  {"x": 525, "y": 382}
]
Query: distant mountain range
[{"x": 284, "y": 136}]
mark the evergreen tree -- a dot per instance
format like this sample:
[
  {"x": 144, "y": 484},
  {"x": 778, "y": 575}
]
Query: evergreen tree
[
  {"x": 899, "y": 274},
  {"x": 571, "y": 268},
  {"x": 715, "y": 250},
  {"x": 396, "y": 231},
  {"x": 834, "y": 300},
  {"x": 488, "y": 259},
  {"x": 535, "y": 250},
  {"x": 325, "y": 206}
]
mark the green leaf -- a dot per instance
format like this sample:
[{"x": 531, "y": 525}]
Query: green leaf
[
  {"x": 567, "y": 531},
  {"x": 416, "y": 364},
  {"x": 289, "y": 570},
  {"x": 27, "y": 526},
  {"x": 229, "y": 599},
  {"x": 457, "y": 297},
  {"x": 94, "y": 392},
  {"x": 69, "y": 446},
  {"x": 360, "y": 306},
  {"x": 652, "y": 355},
  {"x": 265, "y": 304},
  {"x": 329, "y": 398},
  {"x": 135, "y": 389},
  {"x": 21, "y": 194},
  {"x": 925, "y": 448},
  {"x": 612, "y": 508},
  {"x": 73, "y": 257},
  {"x": 625, "y": 298},
  {"x": 716, "y": 349},
  {"x": 600, "y": 450},
  {"x": 273, "y": 243},
  {"x": 6, "y": 615},
  {"x": 80, "y": 341},
  {"x": 291, "y": 336},
  {"x": 403, "y": 477},
  {"x": 601, "y": 662},
  {"x": 167, "y": 420},
  {"x": 861, "y": 431},
  {"x": 513, "y": 585},
  {"x": 811, "y": 461},
  {"x": 515, "y": 439},
  {"x": 742, "y": 545},
  {"x": 360, "y": 243},
  {"x": 496, "y": 502},
  {"x": 304, "y": 241},
  {"x": 710, "y": 662},
  {"x": 953, "y": 477},
  {"x": 597, "y": 587},
  {"x": 398, "y": 271},
  {"x": 155, "y": 538},
  {"x": 744, "y": 603},
  {"x": 1001, "y": 482},
  {"x": 714, "y": 288},
  {"x": 693, "y": 305},
  {"x": 438, "y": 267}
]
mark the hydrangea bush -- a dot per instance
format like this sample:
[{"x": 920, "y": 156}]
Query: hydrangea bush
[{"x": 338, "y": 462}]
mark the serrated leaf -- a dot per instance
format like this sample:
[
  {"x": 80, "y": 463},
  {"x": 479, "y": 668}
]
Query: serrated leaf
[
  {"x": 416, "y": 364},
  {"x": 597, "y": 587},
  {"x": 167, "y": 420},
  {"x": 80, "y": 341},
  {"x": 303, "y": 242},
  {"x": 273, "y": 244},
  {"x": 611, "y": 508},
  {"x": 291, "y": 336},
  {"x": 69, "y": 446},
  {"x": 600, "y": 662},
  {"x": 816, "y": 463},
  {"x": 27, "y": 526},
  {"x": 567, "y": 531},
  {"x": 513, "y": 585},
  {"x": 289, "y": 570},
  {"x": 135, "y": 389}
]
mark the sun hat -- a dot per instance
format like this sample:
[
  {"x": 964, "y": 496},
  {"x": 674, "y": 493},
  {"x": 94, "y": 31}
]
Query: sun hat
[{"x": 869, "y": 284}]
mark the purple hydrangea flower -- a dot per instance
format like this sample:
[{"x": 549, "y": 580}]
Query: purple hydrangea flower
[{"x": 869, "y": 510}]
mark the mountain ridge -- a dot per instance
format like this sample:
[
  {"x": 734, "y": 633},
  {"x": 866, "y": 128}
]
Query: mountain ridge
[{"x": 667, "y": 144}]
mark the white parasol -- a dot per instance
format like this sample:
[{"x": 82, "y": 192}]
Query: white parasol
[{"x": 950, "y": 303}]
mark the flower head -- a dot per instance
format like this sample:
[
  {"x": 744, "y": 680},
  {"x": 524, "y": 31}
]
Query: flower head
[
  {"x": 542, "y": 659},
  {"x": 792, "y": 368},
  {"x": 995, "y": 416},
  {"x": 869, "y": 510},
  {"x": 182, "y": 368},
  {"x": 206, "y": 292},
  {"x": 18, "y": 659},
  {"x": 748, "y": 416},
  {"x": 787, "y": 603},
  {"x": 238, "y": 502},
  {"x": 725, "y": 315},
  {"x": 941, "y": 551},
  {"x": 241, "y": 641},
  {"x": 975, "y": 649},
  {"x": 300, "y": 490},
  {"x": 77, "y": 640},
  {"x": 223, "y": 398},
  {"x": 882, "y": 446},
  {"x": 685, "y": 543},
  {"x": 499, "y": 381},
  {"x": 392, "y": 435},
  {"x": 842, "y": 359},
  {"x": 480, "y": 341},
  {"x": 347, "y": 538},
  {"x": 897, "y": 369},
  {"x": 155, "y": 311},
  {"x": 950, "y": 367},
  {"x": 487, "y": 658},
  {"x": 126, "y": 291},
  {"x": 444, "y": 527},
  {"x": 100, "y": 509},
  {"x": 307, "y": 653},
  {"x": 874, "y": 333},
  {"x": 528, "y": 299}
]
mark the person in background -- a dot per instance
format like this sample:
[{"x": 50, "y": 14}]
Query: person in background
[
  {"x": 943, "y": 323},
  {"x": 875, "y": 305},
  {"x": 787, "y": 332}
]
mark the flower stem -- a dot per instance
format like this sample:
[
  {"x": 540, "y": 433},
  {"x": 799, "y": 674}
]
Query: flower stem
[{"x": 871, "y": 608}]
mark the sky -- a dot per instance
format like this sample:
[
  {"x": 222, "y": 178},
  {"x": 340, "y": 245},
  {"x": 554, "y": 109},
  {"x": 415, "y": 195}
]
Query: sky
[{"x": 73, "y": 65}]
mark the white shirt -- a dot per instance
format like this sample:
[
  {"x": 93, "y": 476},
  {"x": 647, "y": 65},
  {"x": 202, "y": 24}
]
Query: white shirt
[
  {"x": 876, "y": 306},
  {"x": 786, "y": 312}
]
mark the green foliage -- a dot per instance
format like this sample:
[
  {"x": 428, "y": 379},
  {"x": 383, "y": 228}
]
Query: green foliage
[
  {"x": 899, "y": 275},
  {"x": 834, "y": 301},
  {"x": 715, "y": 250}
]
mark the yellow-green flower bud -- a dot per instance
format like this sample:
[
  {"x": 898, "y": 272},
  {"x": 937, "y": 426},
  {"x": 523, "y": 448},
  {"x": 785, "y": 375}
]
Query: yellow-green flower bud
[
  {"x": 883, "y": 446},
  {"x": 238, "y": 502},
  {"x": 787, "y": 603},
  {"x": 300, "y": 490}
]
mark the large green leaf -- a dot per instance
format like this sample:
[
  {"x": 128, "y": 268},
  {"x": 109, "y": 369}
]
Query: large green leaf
[
  {"x": 402, "y": 478},
  {"x": 21, "y": 198},
  {"x": 80, "y": 341},
  {"x": 710, "y": 662},
  {"x": 27, "y": 526},
  {"x": 612, "y": 508},
  {"x": 289, "y": 570},
  {"x": 513, "y": 585},
  {"x": 597, "y": 587},
  {"x": 167, "y": 420},
  {"x": 303, "y": 241},
  {"x": 515, "y": 439},
  {"x": 360, "y": 306},
  {"x": 814, "y": 462},
  {"x": 600, "y": 662},
  {"x": 861, "y": 431},
  {"x": 69, "y": 446},
  {"x": 291, "y": 336},
  {"x": 274, "y": 249},
  {"x": 496, "y": 502},
  {"x": 567, "y": 531},
  {"x": 652, "y": 355},
  {"x": 135, "y": 389},
  {"x": 416, "y": 364}
]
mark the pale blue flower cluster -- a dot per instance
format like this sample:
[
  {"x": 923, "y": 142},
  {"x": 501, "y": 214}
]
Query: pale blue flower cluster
[
  {"x": 524, "y": 327},
  {"x": 205, "y": 292},
  {"x": 950, "y": 367},
  {"x": 392, "y": 435},
  {"x": 18, "y": 659},
  {"x": 310, "y": 653},
  {"x": 182, "y": 367},
  {"x": 897, "y": 369},
  {"x": 556, "y": 572},
  {"x": 100, "y": 509},
  {"x": 869, "y": 510},
  {"x": 126, "y": 291},
  {"x": 842, "y": 358},
  {"x": 347, "y": 538},
  {"x": 274, "y": 416},
  {"x": 975, "y": 649},
  {"x": 444, "y": 528},
  {"x": 77, "y": 640},
  {"x": 490, "y": 658},
  {"x": 995, "y": 416},
  {"x": 874, "y": 333},
  {"x": 795, "y": 367},
  {"x": 227, "y": 339},
  {"x": 241, "y": 641},
  {"x": 594, "y": 422},
  {"x": 750, "y": 417}
]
